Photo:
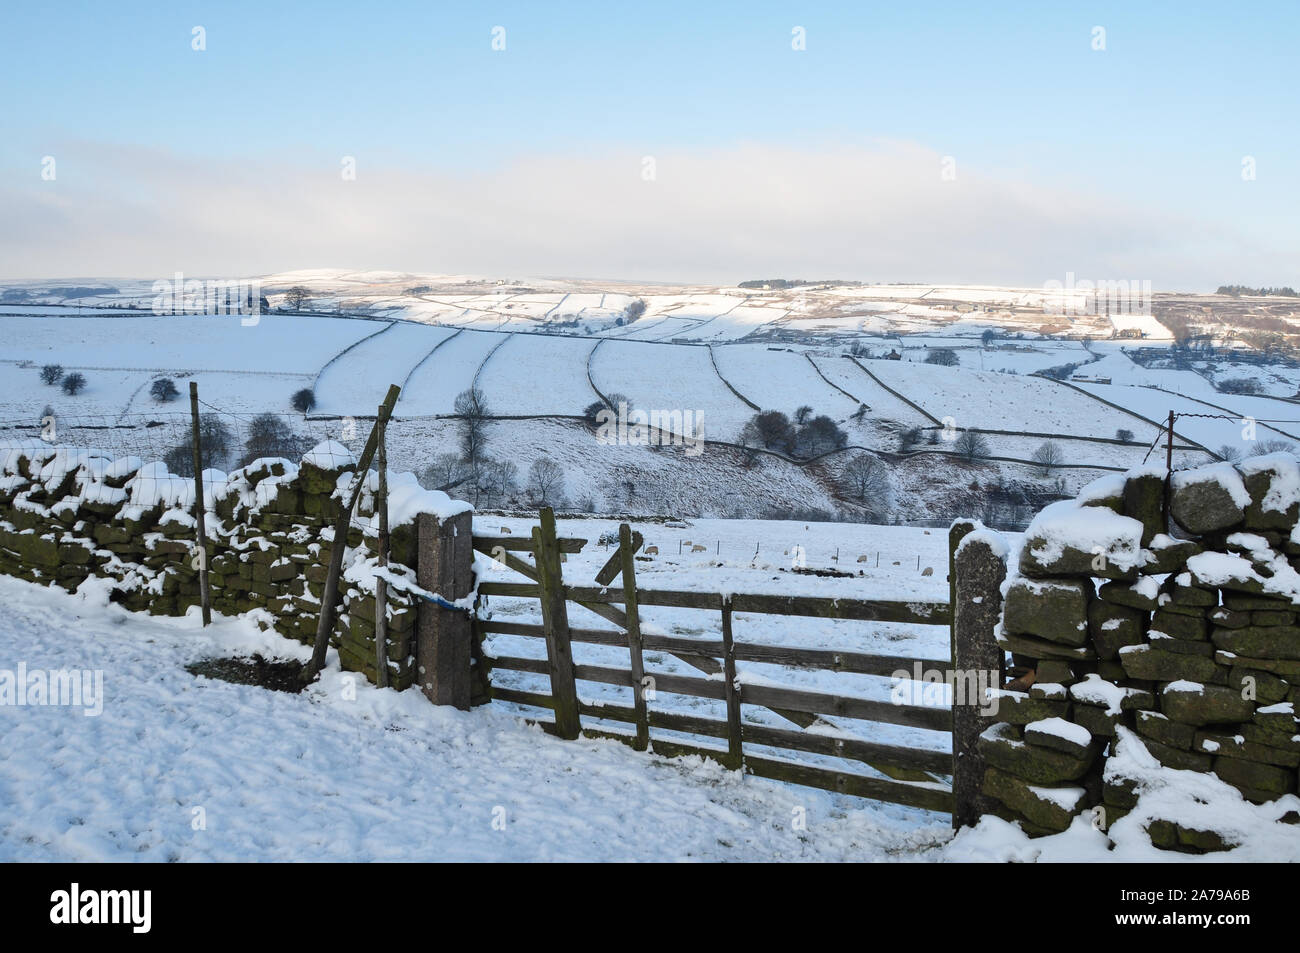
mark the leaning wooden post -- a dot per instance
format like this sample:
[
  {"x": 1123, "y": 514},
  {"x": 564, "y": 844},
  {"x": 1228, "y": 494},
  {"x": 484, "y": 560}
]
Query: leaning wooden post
[
  {"x": 381, "y": 584},
  {"x": 555, "y": 626},
  {"x": 200, "y": 530},
  {"x": 444, "y": 637},
  {"x": 329, "y": 601},
  {"x": 627, "y": 550},
  {"x": 980, "y": 567}
]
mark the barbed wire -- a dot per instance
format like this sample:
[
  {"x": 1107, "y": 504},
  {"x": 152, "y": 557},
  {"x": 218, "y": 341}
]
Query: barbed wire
[
  {"x": 1155, "y": 443},
  {"x": 1237, "y": 418}
]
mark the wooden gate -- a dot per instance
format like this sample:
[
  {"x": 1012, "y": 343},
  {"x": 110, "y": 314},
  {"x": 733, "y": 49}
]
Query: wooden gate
[{"x": 915, "y": 776}]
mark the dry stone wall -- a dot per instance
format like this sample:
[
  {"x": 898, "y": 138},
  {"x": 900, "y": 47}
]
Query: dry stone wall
[
  {"x": 1182, "y": 628},
  {"x": 72, "y": 516}
]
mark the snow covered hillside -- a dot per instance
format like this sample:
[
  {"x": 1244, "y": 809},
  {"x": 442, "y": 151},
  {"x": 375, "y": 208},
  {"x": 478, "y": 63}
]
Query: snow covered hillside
[{"x": 902, "y": 370}]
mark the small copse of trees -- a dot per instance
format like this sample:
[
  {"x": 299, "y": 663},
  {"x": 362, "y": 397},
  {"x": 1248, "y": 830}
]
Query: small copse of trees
[{"x": 808, "y": 435}]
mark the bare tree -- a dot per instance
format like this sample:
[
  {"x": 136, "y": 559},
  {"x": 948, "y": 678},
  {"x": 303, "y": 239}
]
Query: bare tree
[
  {"x": 908, "y": 439},
  {"x": 269, "y": 435},
  {"x": 944, "y": 356},
  {"x": 1229, "y": 452},
  {"x": 444, "y": 472},
  {"x": 472, "y": 409},
  {"x": 497, "y": 478},
  {"x": 51, "y": 373},
  {"x": 74, "y": 384},
  {"x": 505, "y": 477},
  {"x": 970, "y": 445},
  {"x": 867, "y": 480},
  {"x": 214, "y": 445},
  {"x": 1048, "y": 456},
  {"x": 546, "y": 481},
  {"x": 296, "y": 297}
]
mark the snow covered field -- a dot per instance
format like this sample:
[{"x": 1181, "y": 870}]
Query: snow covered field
[
  {"x": 989, "y": 401},
  {"x": 179, "y": 768},
  {"x": 349, "y": 772},
  {"x": 780, "y": 379}
]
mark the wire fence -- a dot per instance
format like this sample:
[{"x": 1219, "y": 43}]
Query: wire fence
[
  {"x": 228, "y": 442},
  {"x": 1168, "y": 431}
]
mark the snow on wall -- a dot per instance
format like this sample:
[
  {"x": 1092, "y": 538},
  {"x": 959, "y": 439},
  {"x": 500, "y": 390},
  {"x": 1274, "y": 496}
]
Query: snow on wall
[
  {"x": 1182, "y": 694},
  {"x": 73, "y": 517}
]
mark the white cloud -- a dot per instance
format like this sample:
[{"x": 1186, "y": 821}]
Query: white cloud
[{"x": 878, "y": 213}]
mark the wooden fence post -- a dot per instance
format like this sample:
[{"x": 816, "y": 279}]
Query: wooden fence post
[
  {"x": 627, "y": 550},
  {"x": 979, "y": 568},
  {"x": 555, "y": 626},
  {"x": 443, "y": 636},
  {"x": 200, "y": 530}
]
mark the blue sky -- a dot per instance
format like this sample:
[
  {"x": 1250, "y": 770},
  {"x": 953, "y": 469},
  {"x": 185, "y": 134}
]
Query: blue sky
[{"x": 1152, "y": 129}]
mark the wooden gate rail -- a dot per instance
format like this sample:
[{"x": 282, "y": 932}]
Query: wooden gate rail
[
  {"x": 830, "y": 660},
  {"x": 522, "y": 544},
  {"x": 817, "y": 703},
  {"x": 907, "y": 766},
  {"x": 921, "y": 612},
  {"x": 976, "y": 569},
  {"x": 703, "y": 663},
  {"x": 930, "y": 796}
]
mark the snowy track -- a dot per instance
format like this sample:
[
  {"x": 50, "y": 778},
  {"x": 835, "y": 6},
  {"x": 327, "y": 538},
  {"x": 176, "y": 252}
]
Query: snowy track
[{"x": 385, "y": 776}]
